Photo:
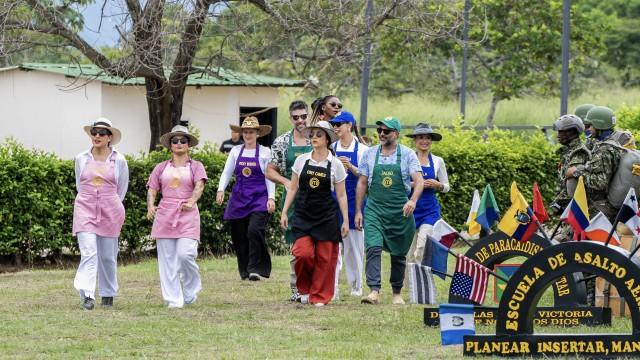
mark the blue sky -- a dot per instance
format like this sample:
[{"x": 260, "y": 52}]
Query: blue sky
[{"x": 108, "y": 35}]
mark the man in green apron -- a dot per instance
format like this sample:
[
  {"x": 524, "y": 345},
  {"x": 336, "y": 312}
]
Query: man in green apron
[
  {"x": 387, "y": 173},
  {"x": 284, "y": 151}
]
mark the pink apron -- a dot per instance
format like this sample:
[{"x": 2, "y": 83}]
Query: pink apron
[
  {"x": 176, "y": 185},
  {"x": 97, "y": 208}
]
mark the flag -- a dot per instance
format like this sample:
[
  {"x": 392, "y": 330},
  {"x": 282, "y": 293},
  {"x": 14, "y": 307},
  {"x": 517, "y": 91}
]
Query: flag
[
  {"x": 599, "y": 228},
  {"x": 444, "y": 233},
  {"x": 519, "y": 221},
  {"x": 474, "y": 227},
  {"x": 435, "y": 257},
  {"x": 469, "y": 280},
  {"x": 422, "y": 289},
  {"x": 456, "y": 321},
  {"x": 629, "y": 214},
  {"x": 505, "y": 271},
  {"x": 488, "y": 212},
  {"x": 538, "y": 205},
  {"x": 577, "y": 212}
]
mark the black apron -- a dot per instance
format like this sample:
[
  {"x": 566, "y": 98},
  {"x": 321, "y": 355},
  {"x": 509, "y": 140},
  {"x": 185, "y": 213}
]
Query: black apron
[{"x": 316, "y": 212}]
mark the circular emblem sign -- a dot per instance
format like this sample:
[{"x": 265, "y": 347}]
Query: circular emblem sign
[
  {"x": 386, "y": 182},
  {"x": 246, "y": 172},
  {"x": 314, "y": 182}
]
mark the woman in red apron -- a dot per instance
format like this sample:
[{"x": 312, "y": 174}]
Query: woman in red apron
[
  {"x": 176, "y": 219},
  {"x": 316, "y": 226},
  {"x": 252, "y": 200},
  {"x": 102, "y": 177}
]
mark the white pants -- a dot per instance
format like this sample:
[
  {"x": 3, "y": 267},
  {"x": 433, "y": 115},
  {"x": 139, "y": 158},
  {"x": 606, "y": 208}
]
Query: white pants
[
  {"x": 98, "y": 259},
  {"x": 416, "y": 252},
  {"x": 353, "y": 258},
  {"x": 177, "y": 261}
]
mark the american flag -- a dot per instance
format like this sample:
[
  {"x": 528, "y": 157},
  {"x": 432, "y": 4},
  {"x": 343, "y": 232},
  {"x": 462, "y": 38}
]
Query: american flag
[{"x": 469, "y": 280}]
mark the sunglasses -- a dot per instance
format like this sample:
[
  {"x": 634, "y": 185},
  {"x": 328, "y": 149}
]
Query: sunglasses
[
  {"x": 101, "y": 132},
  {"x": 384, "y": 131},
  {"x": 336, "y": 105},
  {"x": 176, "y": 141},
  {"x": 317, "y": 133},
  {"x": 338, "y": 124},
  {"x": 296, "y": 117}
]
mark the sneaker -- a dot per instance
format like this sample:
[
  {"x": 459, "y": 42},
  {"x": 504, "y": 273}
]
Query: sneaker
[
  {"x": 303, "y": 299},
  {"x": 318, "y": 305},
  {"x": 372, "y": 298},
  {"x": 356, "y": 292},
  {"x": 107, "y": 301},
  {"x": 295, "y": 295},
  {"x": 254, "y": 277},
  {"x": 191, "y": 300},
  {"x": 397, "y": 299},
  {"x": 88, "y": 303}
]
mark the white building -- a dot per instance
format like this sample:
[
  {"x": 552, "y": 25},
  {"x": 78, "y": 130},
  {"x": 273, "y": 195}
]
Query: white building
[{"x": 44, "y": 106}]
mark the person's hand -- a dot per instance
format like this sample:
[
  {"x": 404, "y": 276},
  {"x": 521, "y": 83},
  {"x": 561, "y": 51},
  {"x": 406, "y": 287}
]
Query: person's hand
[
  {"x": 344, "y": 229},
  {"x": 188, "y": 205},
  {"x": 432, "y": 184},
  {"x": 357, "y": 220},
  {"x": 408, "y": 208},
  {"x": 151, "y": 212},
  {"x": 271, "y": 206},
  {"x": 570, "y": 171},
  {"x": 284, "y": 221},
  {"x": 346, "y": 162},
  {"x": 220, "y": 197}
]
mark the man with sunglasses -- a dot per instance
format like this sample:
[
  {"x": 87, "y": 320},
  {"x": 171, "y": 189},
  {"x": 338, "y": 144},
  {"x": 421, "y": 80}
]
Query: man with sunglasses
[
  {"x": 284, "y": 151},
  {"x": 386, "y": 174}
]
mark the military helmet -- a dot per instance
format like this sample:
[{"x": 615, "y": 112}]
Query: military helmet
[
  {"x": 569, "y": 121},
  {"x": 582, "y": 110},
  {"x": 602, "y": 118}
]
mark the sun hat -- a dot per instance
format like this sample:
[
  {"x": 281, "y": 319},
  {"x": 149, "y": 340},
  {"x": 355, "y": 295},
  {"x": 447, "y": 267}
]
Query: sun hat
[
  {"x": 251, "y": 122},
  {"x": 326, "y": 127},
  {"x": 178, "y": 130},
  {"x": 343, "y": 117},
  {"x": 425, "y": 129},
  {"x": 105, "y": 124},
  {"x": 391, "y": 123}
]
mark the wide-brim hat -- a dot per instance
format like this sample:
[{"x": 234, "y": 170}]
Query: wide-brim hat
[
  {"x": 165, "y": 139},
  {"x": 105, "y": 124},
  {"x": 326, "y": 127},
  {"x": 425, "y": 129},
  {"x": 251, "y": 122}
]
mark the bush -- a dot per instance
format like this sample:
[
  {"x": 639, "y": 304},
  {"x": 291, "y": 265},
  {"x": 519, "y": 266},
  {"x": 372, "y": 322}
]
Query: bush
[{"x": 628, "y": 117}]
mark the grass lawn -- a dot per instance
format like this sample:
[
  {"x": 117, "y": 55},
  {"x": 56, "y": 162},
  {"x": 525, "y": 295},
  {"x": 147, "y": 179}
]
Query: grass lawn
[{"x": 41, "y": 318}]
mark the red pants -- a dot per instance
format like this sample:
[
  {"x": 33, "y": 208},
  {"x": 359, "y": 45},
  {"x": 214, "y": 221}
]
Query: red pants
[{"x": 316, "y": 268}]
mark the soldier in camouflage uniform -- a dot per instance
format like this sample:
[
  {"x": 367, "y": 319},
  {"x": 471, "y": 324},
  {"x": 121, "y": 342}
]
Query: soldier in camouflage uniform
[{"x": 581, "y": 112}]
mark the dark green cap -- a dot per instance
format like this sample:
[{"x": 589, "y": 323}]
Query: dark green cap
[
  {"x": 582, "y": 110},
  {"x": 391, "y": 123}
]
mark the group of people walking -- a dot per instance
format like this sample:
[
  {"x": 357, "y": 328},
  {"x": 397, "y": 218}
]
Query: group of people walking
[{"x": 343, "y": 199}]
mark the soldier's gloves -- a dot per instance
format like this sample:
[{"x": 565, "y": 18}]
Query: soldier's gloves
[{"x": 557, "y": 209}]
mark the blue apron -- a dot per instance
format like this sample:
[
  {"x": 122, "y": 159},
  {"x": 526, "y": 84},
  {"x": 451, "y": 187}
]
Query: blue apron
[
  {"x": 427, "y": 209},
  {"x": 350, "y": 184}
]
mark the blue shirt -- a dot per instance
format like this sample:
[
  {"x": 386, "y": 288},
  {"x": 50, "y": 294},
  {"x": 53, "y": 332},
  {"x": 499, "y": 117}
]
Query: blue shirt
[{"x": 409, "y": 163}]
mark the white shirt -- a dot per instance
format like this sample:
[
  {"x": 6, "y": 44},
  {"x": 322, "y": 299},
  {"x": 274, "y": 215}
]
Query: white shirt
[
  {"x": 338, "y": 173},
  {"x": 121, "y": 170},
  {"x": 440, "y": 169},
  {"x": 230, "y": 166},
  {"x": 361, "y": 148}
]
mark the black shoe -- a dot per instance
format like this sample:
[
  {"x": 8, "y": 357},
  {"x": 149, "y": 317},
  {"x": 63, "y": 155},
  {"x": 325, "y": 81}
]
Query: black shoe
[
  {"x": 88, "y": 303},
  {"x": 254, "y": 277},
  {"x": 107, "y": 301},
  {"x": 295, "y": 296}
]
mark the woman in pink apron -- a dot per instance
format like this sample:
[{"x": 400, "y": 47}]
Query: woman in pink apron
[
  {"x": 176, "y": 219},
  {"x": 252, "y": 200},
  {"x": 102, "y": 177}
]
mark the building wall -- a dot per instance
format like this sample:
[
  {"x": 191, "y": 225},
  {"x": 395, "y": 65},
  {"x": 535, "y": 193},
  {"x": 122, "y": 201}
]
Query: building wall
[{"x": 47, "y": 111}]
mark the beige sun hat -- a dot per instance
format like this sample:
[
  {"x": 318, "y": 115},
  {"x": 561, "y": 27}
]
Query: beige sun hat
[
  {"x": 322, "y": 125},
  {"x": 178, "y": 130},
  {"x": 251, "y": 122},
  {"x": 105, "y": 124}
]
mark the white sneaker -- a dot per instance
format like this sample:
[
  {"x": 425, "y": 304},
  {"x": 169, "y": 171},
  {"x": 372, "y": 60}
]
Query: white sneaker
[
  {"x": 356, "y": 292},
  {"x": 304, "y": 299}
]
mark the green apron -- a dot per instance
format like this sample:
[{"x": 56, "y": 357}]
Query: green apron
[
  {"x": 292, "y": 154},
  {"x": 384, "y": 223}
]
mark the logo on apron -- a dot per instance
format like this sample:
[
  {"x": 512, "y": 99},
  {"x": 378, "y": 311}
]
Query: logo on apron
[
  {"x": 246, "y": 172},
  {"x": 314, "y": 182},
  {"x": 98, "y": 180},
  {"x": 387, "y": 182}
]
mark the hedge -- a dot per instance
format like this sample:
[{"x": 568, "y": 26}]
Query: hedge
[{"x": 37, "y": 192}]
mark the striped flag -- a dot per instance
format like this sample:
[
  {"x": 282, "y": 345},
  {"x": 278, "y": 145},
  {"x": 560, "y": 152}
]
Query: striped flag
[
  {"x": 577, "y": 212},
  {"x": 629, "y": 214},
  {"x": 444, "y": 233},
  {"x": 422, "y": 290},
  {"x": 456, "y": 321},
  {"x": 470, "y": 280},
  {"x": 599, "y": 229}
]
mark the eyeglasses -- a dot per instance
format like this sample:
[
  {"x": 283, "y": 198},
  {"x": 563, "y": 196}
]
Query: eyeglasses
[
  {"x": 336, "y": 105},
  {"x": 317, "y": 133},
  {"x": 101, "y": 132},
  {"x": 176, "y": 141},
  {"x": 296, "y": 117},
  {"x": 385, "y": 131},
  {"x": 338, "y": 124}
]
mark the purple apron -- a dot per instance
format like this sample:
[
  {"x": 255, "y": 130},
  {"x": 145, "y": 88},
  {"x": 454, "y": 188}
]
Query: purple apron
[{"x": 249, "y": 193}]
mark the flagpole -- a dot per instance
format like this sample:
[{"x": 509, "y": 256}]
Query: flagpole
[
  {"x": 634, "y": 251},
  {"x": 538, "y": 224},
  {"x": 441, "y": 273},
  {"x": 555, "y": 231},
  {"x": 488, "y": 270},
  {"x": 458, "y": 236},
  {"x": 613, "y": 227}
]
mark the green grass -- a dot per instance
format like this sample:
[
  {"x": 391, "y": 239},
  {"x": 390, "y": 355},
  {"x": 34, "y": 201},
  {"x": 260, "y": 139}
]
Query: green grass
[
  {"x": 412, "y": 108},
  {"x": 41, "y": 318}
]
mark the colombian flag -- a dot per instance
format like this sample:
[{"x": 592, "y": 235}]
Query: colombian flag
[
  {"x": 518, "y": 222},
  {"x": 577, "y": 212}
]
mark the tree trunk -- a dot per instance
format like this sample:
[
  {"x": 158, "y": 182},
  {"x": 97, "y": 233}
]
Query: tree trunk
[
  {"x": 164, "y": 109},
  {"x": 492, "y": 111}
]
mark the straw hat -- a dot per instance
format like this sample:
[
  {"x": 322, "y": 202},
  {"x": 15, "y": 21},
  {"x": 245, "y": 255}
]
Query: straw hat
[
  {"x": 105, "y": 124},
  {"x": 178, "y": 130},
  {"x": 251, "y": 122},
  {"x": 326, "y": 127}
]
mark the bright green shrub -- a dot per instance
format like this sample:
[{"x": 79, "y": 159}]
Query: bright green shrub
[{"x": 628, "y": 117}]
